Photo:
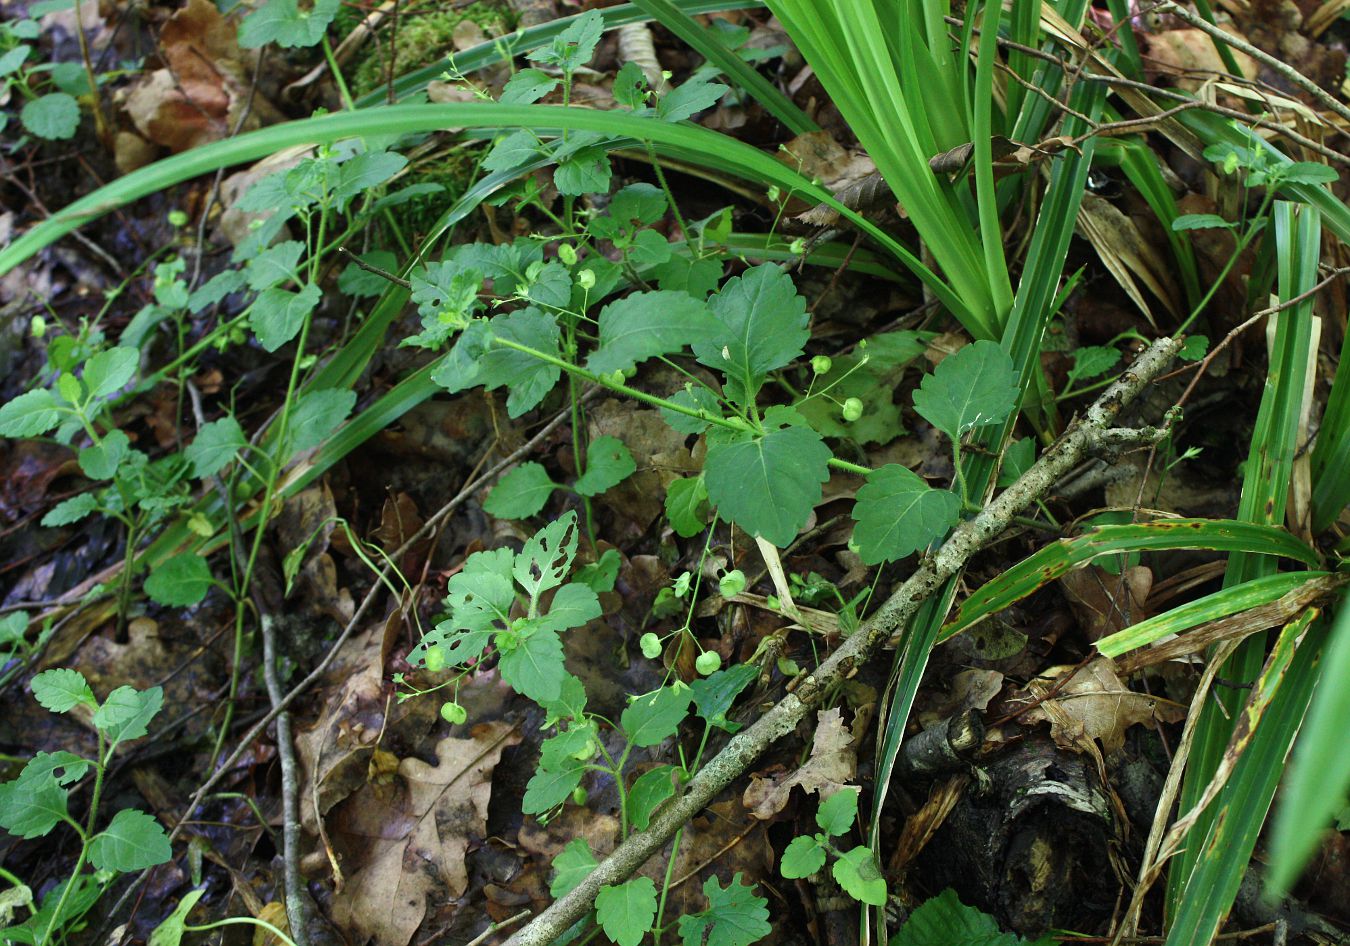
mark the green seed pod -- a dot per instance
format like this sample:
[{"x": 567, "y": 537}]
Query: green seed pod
[
  {"x": 453, "y": 713},
  {"x": 821, "y": 364},
  {"x": 853, "y": 409},
  {"x": 708, "y": 662}
]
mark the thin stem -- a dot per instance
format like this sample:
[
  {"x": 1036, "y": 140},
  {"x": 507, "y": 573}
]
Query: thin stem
[{"x": 99, "y": 768}]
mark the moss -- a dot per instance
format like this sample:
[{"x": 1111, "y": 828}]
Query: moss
[
  {"x": 455, "y": 170},
  {"x": 423, "y": 38}
]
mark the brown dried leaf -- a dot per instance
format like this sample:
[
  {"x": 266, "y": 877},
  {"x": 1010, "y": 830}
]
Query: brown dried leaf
[
  {"x": 832, "y": 764},
  {"x": 1093, "y": 704}
]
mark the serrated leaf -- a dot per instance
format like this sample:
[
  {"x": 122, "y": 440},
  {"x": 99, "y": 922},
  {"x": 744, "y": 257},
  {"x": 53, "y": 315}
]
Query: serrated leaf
[
  {"x": 365, "y": 171},
  {"x": 284, "y": 23},
  {"x": 571, "y": 866},
  {"x": 29, "y": 415},
  {"x": 714, "y": 694},
  {"x": 520, "y": 493},
  {"x": 215, "y": 289},
  {"x": 837, "y": 813},
  {"x": 575, "y": 45},
  {"x": 534, "y": 667},
  {"x": 70, "y": 510},
  {"x": 761, "y": 327},
  {"x": 132, "y": 841},
  {"x": 55, "y": 116},
  {"x": 608, "y": 463},
  {"x": 481, "y": 593},
  {"x": 514, "y": 150},
  {"x": 110, "y": 370},
  {"x": 547, "y": 555},
  {"x": 736, "y": 916},
  {"x": 574, "y": 605},
  {"x": 647, "y": 792},
  {"x": 767, "y": 484},
  {"x": 275, "y": 265},
  {"x": 654, "y": 717},
  {"x": 685, "y": 500},
  {"x": 179, "y": 582},
  {"x": 646, "y": 324},
  {"x": 1091, "y": 361},
  {"x": 528, "y": 378},
  {"x": 626, "y": 911},
  {"x": 62, "y": 767},
  {"x": 698, "y": 398},
  {"x": 527, "y": 86},
  {"x": 215, "y": 446},
  {"x": 317, "y": 414},
  {"x": 974, "y": 387},
  {"x": 100, "y": 461},
  {"x": 62, "y": 689},
  {"x": 29, "y": 809},
  {"x": 1194, "y": 348},
  {"x": 586, "y": 172},
  {"x": 945, "y": 921},
  {"x": 462, "y": 367},
  {"x": 547, "y": 789},
  {"x": 277, "y": 315},
  {"x": 897, "y": 514},
  {"x": 857, "y": 872},
  {"x": 688, "y": 99},
  {"x": 127, "y": 712},
  {"x": 802, "y": 857},
  {"x": 551, "y": 286}
]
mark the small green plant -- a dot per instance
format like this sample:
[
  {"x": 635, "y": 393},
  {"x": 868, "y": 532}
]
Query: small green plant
[
  {"x": 38, "y": 800},
  {"x": 856, "y": 870},
  {"x": 51, "y": 113}
]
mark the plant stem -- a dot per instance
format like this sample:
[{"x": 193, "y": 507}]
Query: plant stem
[{"x": 99, "y": 770}]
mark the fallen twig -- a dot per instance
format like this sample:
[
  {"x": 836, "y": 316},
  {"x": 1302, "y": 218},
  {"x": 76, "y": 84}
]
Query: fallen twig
[{"x": 744, "y": 748}]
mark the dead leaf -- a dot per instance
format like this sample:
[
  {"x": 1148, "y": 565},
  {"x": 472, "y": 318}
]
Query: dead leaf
[
  {"x": 412, "y": 838},
  {"x": 1127, "y": 256},
  {"x": 1094, "y": 704},
  {"x": 1105, "y": 603},
  {"x": 832, "y": 764}
]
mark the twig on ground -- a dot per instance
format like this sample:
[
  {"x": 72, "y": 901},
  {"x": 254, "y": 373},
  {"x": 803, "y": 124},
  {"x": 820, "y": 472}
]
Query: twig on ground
[
  {"x": 297, "y": 913},
  {"x": 382, "y": 273},
  {"x": 745, "y": 747}
]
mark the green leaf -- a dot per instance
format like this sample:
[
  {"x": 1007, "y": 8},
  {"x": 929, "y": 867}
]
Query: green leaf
[
  {"x": 762, "y": 327},
  {"x": 29, "y": 415},
  {"x": 698, "y": 277},
  {"x": 897, "y": 514},
  {"x": 520, "y": 493},
  {"x": 170, "y": 931},
  {"x": 586, "y": 172},
  {"x": 527, "y": 86},
  {"x": 600, "y": 576},
  {"x": 100, "y": 461},
  {"x": 317, "y": 414},
  {"x": 355, "y": 281},
  {"x": 62, "y": 689},
  {"x": 65, "y": 768},
  {"x": 1091, "y": 361},
  {"x": 767, "y": 484},
  {"x": 54, "y": 116},
  {"x": 366, "y": 171},
  {"x": 654, "y": 717},
  {"x": 626, "y": 911},
  {"x": 1200, "y": 222},
  {"x": 217, "y": 288},
  {"x": 837, "y": 813},
  {"x": 110, "y": 370},
  {"x": 132, "y": 841},
  {"x": 1017, "y": 459},
  {"x": 215, "y": 446},
  {"x": 534, "y": 667},
  {"x": 573, "y": 606},
  {"x": 688, "y": 99},
  {"x": 696, "y": 397},
  {"x": 29, "y": 808},
  {"x": 284, "y": 23},
  {"x": 481, "y": 593},
  {"x": 971, "y": 388},
  {"x": 608, "y": 463},
  {"x": 127, "y": 712},
  {"x": 277, "y": 315},
  {"x": 646, "y": 324},
  {"x": 575, "y": 46},
  {"x": 647, "y": 792},
  {"x": 735, "y": 916},
  {"x": 179, "y": 582},
  {"x": 513, "y": 151},
  {"x": 551, "y": 286},
  {"x": 528, "y": 378},
  {"x": 1194, "y": 348},
  {"x": 632, "y": 208},
  {"x": 549, "y": 788},
  {"x": 571, "y": 866},
  {"x": 686, "y": 499},
  {"x": 857, "y": 872},
  {"x": 275, "y": 265},
  {"x": 802, "y": 857},
  {"x": 714, "y": 694},
  {"x": 945, "y": 921},
  {"x": 70, "y": 510},
  {"x": 547, "y": 555},
  {"x": 1308, "y": 172}
]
